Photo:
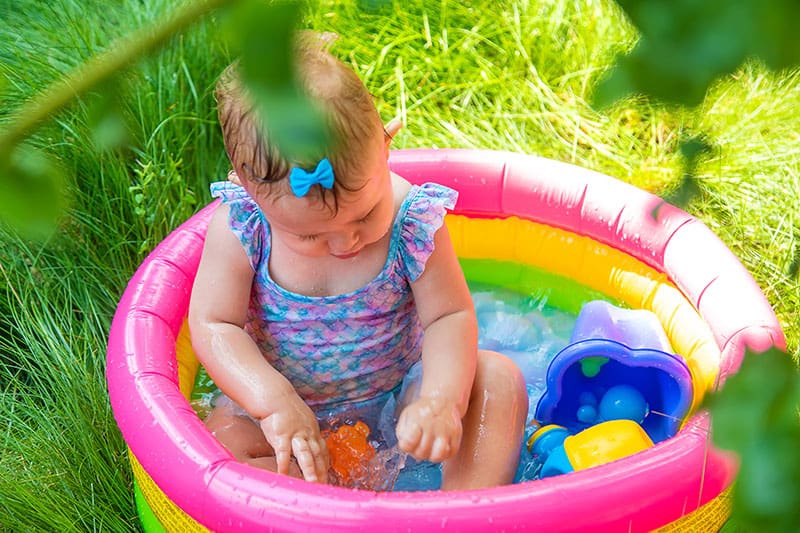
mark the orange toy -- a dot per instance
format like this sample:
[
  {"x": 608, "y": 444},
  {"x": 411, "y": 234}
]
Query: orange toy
[{"x": 349, "y": 452}]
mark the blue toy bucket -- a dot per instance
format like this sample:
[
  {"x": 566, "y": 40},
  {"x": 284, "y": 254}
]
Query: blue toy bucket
[{"x": 611, "y": 346}]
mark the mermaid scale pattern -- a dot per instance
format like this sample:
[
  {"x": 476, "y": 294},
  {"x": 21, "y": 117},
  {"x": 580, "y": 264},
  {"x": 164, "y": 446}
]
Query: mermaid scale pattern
[{"x": 349, "y": 347}]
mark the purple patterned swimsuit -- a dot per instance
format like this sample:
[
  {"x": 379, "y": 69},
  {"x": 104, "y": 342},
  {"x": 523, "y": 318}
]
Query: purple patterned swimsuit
[{"x": 347, "y": 348}]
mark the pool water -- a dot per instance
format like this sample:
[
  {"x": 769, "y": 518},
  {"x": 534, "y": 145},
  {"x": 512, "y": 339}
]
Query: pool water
[{"x": 522, "y": 327}]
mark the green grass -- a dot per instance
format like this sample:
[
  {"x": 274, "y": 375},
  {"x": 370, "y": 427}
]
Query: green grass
[
  {"x": 517, "y": 77},
  {"x": 59, "y": 450},
  {"x": 752, "y": 183}
]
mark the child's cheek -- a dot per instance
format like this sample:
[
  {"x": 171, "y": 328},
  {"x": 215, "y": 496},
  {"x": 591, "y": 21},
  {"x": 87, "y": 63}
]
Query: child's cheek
[{"x": 315, "y": 248}]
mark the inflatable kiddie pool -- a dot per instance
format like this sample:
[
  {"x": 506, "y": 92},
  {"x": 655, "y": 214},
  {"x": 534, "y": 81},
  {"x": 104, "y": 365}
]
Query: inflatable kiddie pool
[{"x": 524, "y": 211}]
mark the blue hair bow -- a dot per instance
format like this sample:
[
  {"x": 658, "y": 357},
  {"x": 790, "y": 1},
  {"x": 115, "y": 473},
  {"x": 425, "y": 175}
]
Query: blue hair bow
[{"x": 301, "y": 180}]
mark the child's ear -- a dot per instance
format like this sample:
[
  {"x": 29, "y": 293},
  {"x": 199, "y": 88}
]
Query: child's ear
[
  {"x": 233, "y": 177},
  {"x": 391, "y": 129}
]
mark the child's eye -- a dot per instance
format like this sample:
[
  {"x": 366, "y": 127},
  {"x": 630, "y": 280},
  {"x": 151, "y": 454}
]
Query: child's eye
[{"x": 308, "y": 237}]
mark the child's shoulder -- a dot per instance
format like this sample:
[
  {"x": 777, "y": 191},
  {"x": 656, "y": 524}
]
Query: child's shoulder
[
  {"x": 401, "y": 188},
  {"x": 422, "y": 213},
  {"x": 424, "y": 197}
]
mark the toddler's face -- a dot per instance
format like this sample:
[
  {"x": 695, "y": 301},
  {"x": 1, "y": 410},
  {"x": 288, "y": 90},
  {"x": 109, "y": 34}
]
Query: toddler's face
[{"x": 309, "y": 228}]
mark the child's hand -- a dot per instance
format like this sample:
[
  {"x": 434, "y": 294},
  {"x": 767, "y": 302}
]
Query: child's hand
[
  {"x": 429, "y": 429},
  {"x": 293, "y": 430}
]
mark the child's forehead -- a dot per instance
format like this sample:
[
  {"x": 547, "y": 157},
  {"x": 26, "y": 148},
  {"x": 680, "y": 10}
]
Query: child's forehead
[
  {"x": 308, "y": 215},
  {"x": 311, "y": 203},
  {"x": 280, "y": 200}
]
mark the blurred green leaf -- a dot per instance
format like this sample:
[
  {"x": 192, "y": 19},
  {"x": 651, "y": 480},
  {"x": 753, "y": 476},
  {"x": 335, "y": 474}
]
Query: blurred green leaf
[
  {"x": 31, "y": 191},
  {"x": 108, "y": 126},
  {"x": 30, "y": 182},
  {"x": 262, "y": 34},
  {"x": 685, "y": 45},
  {"x": 295, "y": 125},
  {"x": 756, "y": 415}
]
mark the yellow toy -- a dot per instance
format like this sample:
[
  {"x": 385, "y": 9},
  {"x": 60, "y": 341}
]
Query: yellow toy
[{"x": 608, "y": 441}]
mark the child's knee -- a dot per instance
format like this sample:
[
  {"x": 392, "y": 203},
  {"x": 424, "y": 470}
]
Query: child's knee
[{"x": 498, "y": 374}]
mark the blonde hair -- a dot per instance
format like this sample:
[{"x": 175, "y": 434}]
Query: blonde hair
[{"x": 346, "y": 104}]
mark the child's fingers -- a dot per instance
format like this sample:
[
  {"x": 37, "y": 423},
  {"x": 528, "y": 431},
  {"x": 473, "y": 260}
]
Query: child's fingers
[
  {"x": 416, "y": 442},
  {"x": 425, "y": 447},
  {"x": 448, "y": 445},
  {"x": 441, "y": 450},
  {"x": 305, "y": 459},
  {"x": 320, "y": 452},
  {"x": 435, "y": 442},
  {"x": 409, "y": 434},
  {"x": 283, "y": 455}
]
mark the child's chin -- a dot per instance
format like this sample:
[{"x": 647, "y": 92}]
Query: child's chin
[{"x": 347, "y": 256}]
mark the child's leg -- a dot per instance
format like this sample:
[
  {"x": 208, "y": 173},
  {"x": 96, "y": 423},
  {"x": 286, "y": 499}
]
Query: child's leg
[
  {"x": 493, "y": 427},
  {"x": 244, "y": 439}
]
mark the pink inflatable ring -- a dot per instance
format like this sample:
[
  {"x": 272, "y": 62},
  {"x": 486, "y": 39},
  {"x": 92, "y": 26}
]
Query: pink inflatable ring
[{"x": 599, "y": 231}]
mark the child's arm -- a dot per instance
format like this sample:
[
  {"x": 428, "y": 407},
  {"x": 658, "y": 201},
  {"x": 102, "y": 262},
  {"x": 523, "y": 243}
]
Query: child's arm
[
  {"x": 217, "y": 313},
  {"x": 430, "y": 427}
]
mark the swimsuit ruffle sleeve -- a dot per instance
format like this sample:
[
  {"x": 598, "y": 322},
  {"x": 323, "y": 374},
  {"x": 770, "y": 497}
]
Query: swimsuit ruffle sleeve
[
  {"x": 424, "y": 217},
  {"x": 244, "y": 218}
]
